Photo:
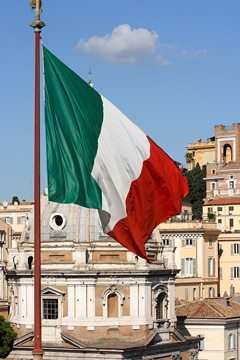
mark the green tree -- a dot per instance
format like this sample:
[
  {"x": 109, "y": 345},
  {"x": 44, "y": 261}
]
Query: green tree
[
  {"x": 7, "y": 337},
  {"x": 197, "y": 190},
  {"x": 15, "y": 199},
  {"x": 189, "y": 158}
]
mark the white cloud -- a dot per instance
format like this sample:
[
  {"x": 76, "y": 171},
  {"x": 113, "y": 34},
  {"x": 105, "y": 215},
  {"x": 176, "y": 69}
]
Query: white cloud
[
  {"x": 124, "y": 45},
  {"x": 191, "y": 54},
  {"x": 130, "y": 46},
  {"x": 175, "y": 51}
]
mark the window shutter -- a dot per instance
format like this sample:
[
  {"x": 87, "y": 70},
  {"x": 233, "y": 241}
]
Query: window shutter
[
  {"x": 194, "y": 266},
  {"x": 183, "y": 266},
  {"x": 165, "y": 260},
  {"x": 11, "y": 220},
  {"x": 231, "y": 272},
  {"x": 186, "y": 293},
  {"x": 234, "y": 341},
  {"x": 170, "y": 242},
  {"x": 213, "y": 292},
  {"x": 183, "y": 242},
  {"x": 220, "y": 273},
  {"x": 213, "y": 267},
  {"x": 229, "y": 341},
  {"x": 193, "y": 242},
  {"x": 209, "y": 269},
  {"x": 231, "y": 249},
  {"x": 19, "y": 220}
]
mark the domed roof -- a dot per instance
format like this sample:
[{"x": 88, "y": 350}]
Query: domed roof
[{"x": 64, "y": 221}]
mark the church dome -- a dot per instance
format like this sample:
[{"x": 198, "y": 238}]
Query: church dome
[{"x": 64, "y": 221}]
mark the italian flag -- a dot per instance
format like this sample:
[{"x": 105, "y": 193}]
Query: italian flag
[{"x": 98, "y": 158}]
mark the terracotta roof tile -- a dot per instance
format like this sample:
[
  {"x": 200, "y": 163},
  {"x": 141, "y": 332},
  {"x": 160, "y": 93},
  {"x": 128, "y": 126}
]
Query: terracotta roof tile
[
  {"x": 222, "y": 201},
  {"x": 208, "y": 309}
]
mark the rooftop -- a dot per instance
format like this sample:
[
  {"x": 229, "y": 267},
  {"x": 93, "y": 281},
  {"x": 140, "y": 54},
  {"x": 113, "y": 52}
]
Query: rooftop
[
  {"x": 222, "y": 201},
  {"x": 214, "y": 308}
]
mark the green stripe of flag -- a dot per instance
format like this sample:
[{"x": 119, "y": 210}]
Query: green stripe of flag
[{"x": 73, "y": 120}]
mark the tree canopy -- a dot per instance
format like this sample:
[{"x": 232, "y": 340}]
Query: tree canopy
[
  {"x": 189, "y": 158},
  {"x": 15, "y": 199},
  {"x": 7, "y": 337},
  {"x": 197, "y": 189}
]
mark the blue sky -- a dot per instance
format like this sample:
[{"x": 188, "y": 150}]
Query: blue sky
[{"x": 172, "y": 66}]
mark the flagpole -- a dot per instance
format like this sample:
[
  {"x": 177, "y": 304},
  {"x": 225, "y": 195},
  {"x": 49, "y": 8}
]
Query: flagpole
[{"x": 37, "y": 26}]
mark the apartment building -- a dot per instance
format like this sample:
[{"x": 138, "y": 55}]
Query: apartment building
[
  {"x": 203, "y": 152},
  {"x": 192, "y": 248},
  {"x": 229, "y": 263},
  {"x": 15, "y": 215},
  {"x": 216, "y": 322},
  {"x": 5, "y": 245}
]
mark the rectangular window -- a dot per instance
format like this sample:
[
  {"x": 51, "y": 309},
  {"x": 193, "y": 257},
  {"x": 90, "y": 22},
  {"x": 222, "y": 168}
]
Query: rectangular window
[
  {"x": 210, "y": 243},
  {"x": 188, "y": 266},
  {"x": 235, "y": 272},
  {"x": 2, "y": 236},
  {"x": 213, "y": 171},
  {"x": 194, "y": 293},
  {"x": 219, "y": 210},
  {"x": 211, "y": 292},
  {"x": 219, "y": 221},
  {"x": 185, "y": 215},
  {"x": 230, "y": 210},
  {"x": 21, "y": 219},
  {"x": 188, "y": 242},
  {"x": 231, "y": 184},
  {"x": 213, "y": 186},
  {"x": 9, "y": 220},
  {"x": 210, "y": 210},
  {"x": 167, "y": 242},
  {"x": 211, "y": 266},
  {"x": 231, "y": 341},
  {"x": 235, "y": 249},
  {"x": 231, "y": 223},
  {"x": 50, "y": 309}
]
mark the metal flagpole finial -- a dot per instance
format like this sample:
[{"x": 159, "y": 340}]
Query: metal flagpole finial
[
  {"x": 90, "y": 80},
  {"x": 37, "y": 24}
]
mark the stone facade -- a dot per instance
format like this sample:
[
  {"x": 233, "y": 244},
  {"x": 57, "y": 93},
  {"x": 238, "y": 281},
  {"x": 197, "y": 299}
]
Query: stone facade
[
  {"x": 223, "y": 179},
  {"x": 203, "y": 152},
  {"x": 192, "y": 247},
  {"x": 5, "y": 244},
  {"x": 97, "y": 297}
]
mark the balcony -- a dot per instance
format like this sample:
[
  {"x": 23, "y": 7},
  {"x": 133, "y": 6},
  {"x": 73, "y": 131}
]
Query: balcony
[{"x": 224, "y": 193}]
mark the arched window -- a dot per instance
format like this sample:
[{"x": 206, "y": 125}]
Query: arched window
[
  {"x": 160, "y": 302},
  {"x": 112, "y": 305},
  {"x": 227, "y": 153},
  {"x": 112, "y": 299},
  {"x": 159, "y": 306},
  {"x": 30, "y": 260}
]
